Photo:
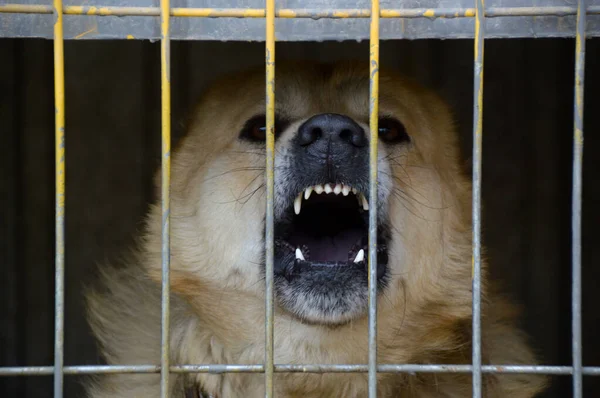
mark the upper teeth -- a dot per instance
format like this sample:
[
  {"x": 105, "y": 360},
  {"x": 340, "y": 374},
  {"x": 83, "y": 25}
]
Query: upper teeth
[{"x": 329, "y": 188}]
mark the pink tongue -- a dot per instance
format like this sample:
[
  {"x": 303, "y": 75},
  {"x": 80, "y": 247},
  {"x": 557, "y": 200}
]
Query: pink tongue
[{"x": 328, "y": 248}]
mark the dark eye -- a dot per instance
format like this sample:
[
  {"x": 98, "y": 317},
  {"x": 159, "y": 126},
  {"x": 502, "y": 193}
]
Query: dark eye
[
  {"x": 255, "y": 128},
  {"x": 391, "y": 131}
]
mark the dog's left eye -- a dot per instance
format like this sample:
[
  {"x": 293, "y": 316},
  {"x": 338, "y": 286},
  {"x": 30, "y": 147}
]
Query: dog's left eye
[
  {"x": 392, "y": 131},
  {"x": 255, "y": 128}
]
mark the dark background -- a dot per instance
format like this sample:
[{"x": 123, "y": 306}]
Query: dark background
[{"x": 113, "y": 147}]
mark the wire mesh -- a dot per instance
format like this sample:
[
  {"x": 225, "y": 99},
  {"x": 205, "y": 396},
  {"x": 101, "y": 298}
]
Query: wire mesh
[{"x": 269, "y": 367}]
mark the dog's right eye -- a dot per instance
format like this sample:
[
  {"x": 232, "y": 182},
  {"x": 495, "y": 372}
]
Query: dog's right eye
[{"x": 255, "y": 128}]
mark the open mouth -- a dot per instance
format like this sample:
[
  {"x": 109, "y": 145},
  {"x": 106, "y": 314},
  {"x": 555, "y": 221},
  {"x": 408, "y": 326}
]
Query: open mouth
[{"x": 327, "y": 226}]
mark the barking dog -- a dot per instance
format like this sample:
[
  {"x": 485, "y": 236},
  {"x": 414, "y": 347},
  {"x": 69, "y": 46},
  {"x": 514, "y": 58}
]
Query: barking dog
[{"x": 321, "y": 221}]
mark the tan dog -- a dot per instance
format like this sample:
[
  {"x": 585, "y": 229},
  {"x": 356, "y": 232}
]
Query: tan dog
[{"x": 321, "y": 213}]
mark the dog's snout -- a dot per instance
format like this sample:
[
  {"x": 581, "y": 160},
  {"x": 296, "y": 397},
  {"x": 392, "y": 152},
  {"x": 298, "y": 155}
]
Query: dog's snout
[
  {"x": 331, "y": 128},
  {"x": 330, "y": 147}
]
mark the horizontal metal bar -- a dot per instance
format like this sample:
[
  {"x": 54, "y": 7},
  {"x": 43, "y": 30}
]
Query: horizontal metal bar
[
  {"x": 492, "y": 12},
  {"x": 218, "y": 369}
]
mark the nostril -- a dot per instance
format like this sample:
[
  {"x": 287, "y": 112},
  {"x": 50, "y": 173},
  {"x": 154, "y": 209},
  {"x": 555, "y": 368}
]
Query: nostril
[
  {"x": 310, "y": 135},
  {"x": 346, "y": 135},
  {"x": 317, "y": 133}
]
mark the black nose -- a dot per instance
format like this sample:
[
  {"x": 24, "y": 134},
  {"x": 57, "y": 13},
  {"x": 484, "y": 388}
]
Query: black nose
[{"x": 333, "y": 128}]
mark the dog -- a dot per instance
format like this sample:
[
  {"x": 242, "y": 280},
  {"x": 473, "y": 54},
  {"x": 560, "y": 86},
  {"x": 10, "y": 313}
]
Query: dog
[{"x": 321, "y": 213}]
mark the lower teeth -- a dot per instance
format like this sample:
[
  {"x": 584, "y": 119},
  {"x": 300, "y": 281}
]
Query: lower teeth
[{"x": 356, "y": 255}]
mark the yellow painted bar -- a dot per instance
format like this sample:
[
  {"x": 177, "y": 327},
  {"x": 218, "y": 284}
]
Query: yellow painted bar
[
  {"x": 270, "y": 169},
  {"x": 26, "y": 9},
  {"x": 165, "y": 88},
  {"x": 219, "y": 13},
  {"x": 59, "y": 136},
  {"x": 298, "y": 13},
  {"x": 476, "y": 197},
  {"x": 107, "y": 11},
  {"x": 373, "y": 142}
]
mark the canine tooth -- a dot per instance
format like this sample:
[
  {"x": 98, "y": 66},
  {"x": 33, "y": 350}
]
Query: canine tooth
[
  {"x": 307, "y": 192},
  {"x": 359, "y": 257},
  {"x": 328, "y": 188},
  {"x": 337, "y": 189},
  {"x": 319, "y": 189},
  {"x": 354, "y": 191},
  {"x": 365, "y": 204},
  {"x": 298, "y": 203},
  {"x": 299, "y": 255},
  {"x": 346, "y": 190}
]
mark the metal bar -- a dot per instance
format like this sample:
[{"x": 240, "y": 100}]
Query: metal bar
[
  {"x": 373, "y": 142},
  {"x": 476, "y": 206},
  {"x": 270, "y": 169},
  {"x": 165, "y": 71},
  {"x": 308, "y": 368},
  {"x": 492, "y": 12},
  {"x": 576, "y": 200},
  {"x": 59, "y": 134}
]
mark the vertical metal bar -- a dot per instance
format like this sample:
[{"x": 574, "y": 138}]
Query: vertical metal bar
[
  {"x": 374, "y": 129},
  {"x": 269, "y": 238},
  {"x": 476, "y": 207},
  {"x": 576, "y": 199},
  {"x": 165, "y": 71},
  {"x": 59, "y": 261}
]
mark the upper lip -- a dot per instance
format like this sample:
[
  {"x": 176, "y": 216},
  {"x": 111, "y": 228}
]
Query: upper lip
[{"x": 328, "y": 188}]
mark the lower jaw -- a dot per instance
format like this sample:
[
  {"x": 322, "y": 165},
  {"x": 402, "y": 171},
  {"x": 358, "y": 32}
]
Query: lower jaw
[{"x": 325, "y": 293}]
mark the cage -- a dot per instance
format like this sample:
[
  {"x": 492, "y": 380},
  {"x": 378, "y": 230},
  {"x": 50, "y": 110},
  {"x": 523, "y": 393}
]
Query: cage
[{"x": 535, "y": 186}]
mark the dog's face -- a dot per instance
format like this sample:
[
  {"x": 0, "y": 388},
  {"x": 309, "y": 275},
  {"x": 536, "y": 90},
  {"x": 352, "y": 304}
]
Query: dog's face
[{"x": 321, "y": 189}]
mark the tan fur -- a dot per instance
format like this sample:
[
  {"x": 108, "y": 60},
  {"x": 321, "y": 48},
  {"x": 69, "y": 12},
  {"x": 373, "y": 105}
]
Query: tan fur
[{"x": 217, "y": 305}]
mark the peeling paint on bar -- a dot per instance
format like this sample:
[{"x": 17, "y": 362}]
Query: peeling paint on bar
[
  {"x": 165, "y": 88},
  {"x": 270, "y": 170},
  {"x": 558, "y": 21},
  {"x": 373, "y": 142},
  {"x": 493, "y": 12},
  {"x": 476, "y": 207},
  {"x": 59, "y": 239}
]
